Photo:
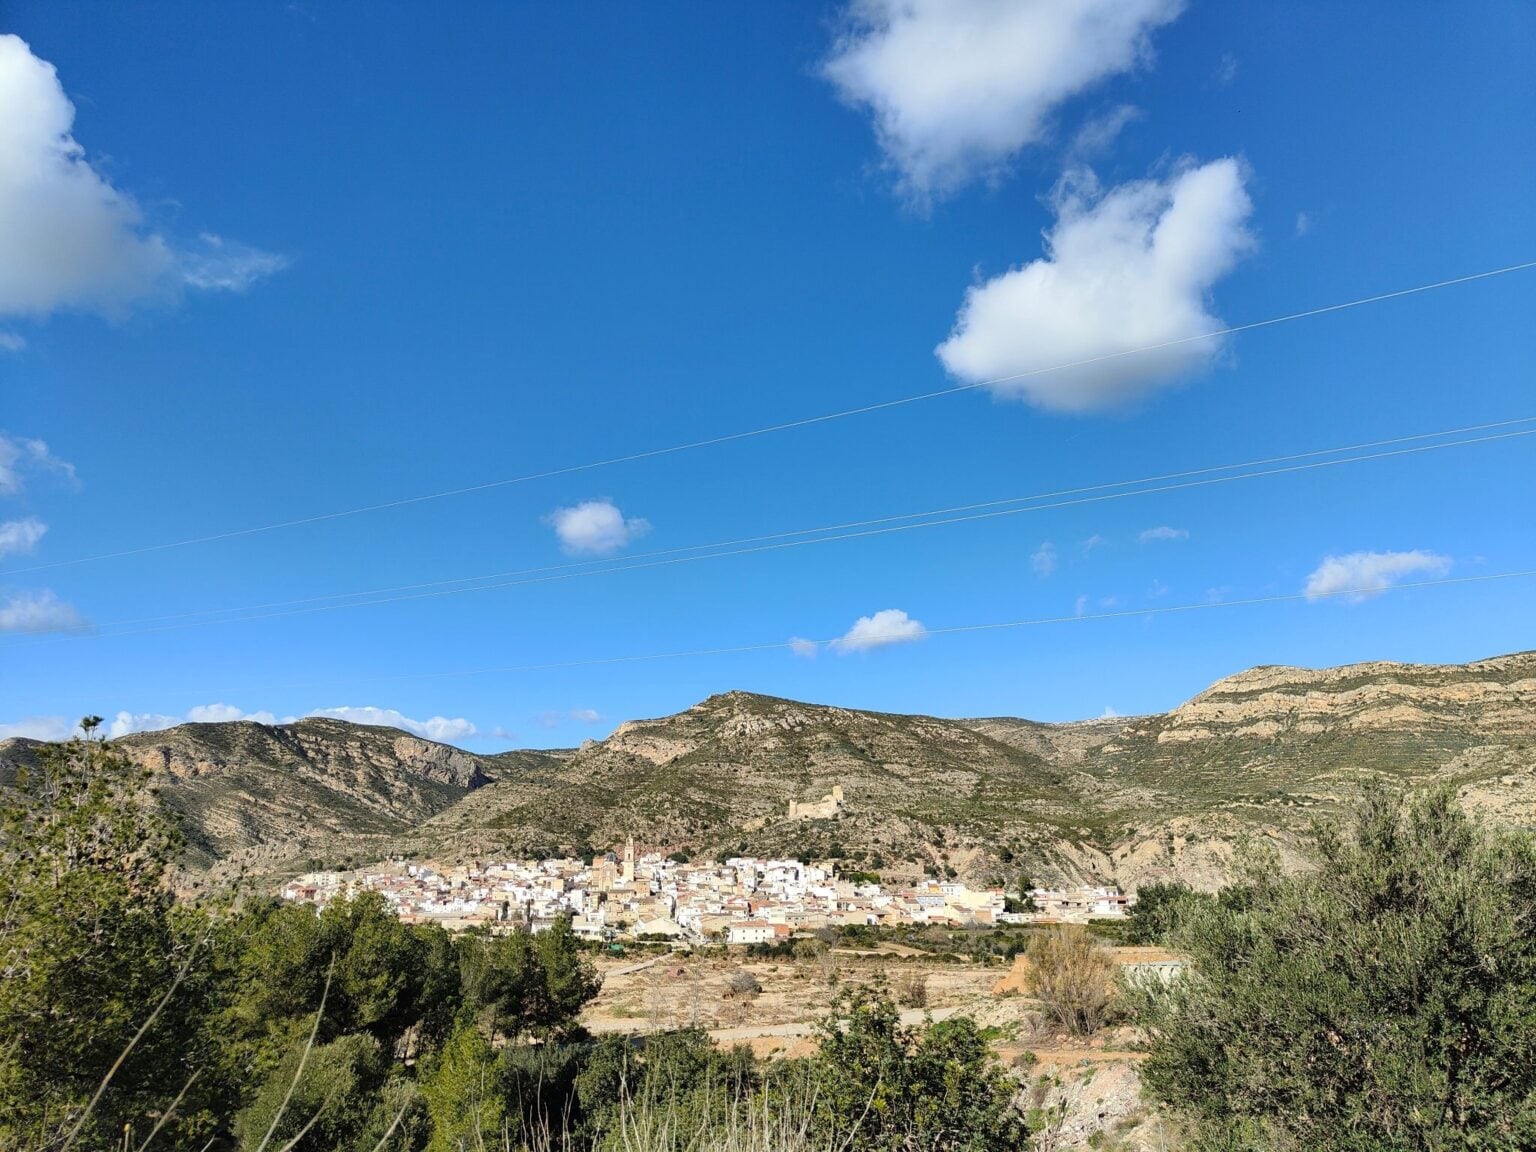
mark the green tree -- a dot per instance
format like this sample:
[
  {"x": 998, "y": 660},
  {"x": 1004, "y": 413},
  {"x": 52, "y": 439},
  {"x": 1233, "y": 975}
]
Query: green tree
[
  {"x": 334, "y": 1099},
  {"x": 883, "y": 1087},
  {"x": 1384, "y": 1001},
  {"x": 521, "y": 982},
  {"x": 1157, "y": 911},
  {"x": 90, "y": 945},
  {"x": 388, "y": 977},
  {"x": 461, "y": 1090}
]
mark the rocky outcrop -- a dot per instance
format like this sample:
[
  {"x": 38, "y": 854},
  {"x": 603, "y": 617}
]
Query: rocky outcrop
[{"x": 1489, "y": 698}]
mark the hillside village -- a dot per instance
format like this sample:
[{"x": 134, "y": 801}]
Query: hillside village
[{"x": 743, "y": 901}]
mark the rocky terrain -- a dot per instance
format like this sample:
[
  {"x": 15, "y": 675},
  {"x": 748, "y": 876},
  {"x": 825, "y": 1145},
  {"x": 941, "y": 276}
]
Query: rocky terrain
[{"x": 1256, "y": 757}]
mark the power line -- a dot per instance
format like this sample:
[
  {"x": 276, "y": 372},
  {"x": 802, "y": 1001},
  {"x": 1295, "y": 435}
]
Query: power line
[
  {"x": 537, "y": 576},
  {"x": 773, "y": 428},
  {"x": 720, "y": 544},
  {"x": 958, "y": 629}
]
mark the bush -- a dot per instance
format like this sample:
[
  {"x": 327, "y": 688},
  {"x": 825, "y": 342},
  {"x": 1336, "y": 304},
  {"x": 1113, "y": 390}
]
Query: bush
[
  {"x": 743, "y": 983},
  {"x": 1073, "y": 977},
  {"x": 1385, "y": 1001},
  {"x": 881, "y": 1087},
  {"x": 1157, "y": 910},
  {"x": 912, "y": 990}
]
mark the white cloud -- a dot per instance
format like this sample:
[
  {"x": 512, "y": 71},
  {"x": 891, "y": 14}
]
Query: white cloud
[
  {"x": 440, "y": 728},
  {"x": 1125, "y": 269},
  {"x": 586, "y": 715},
  {"x": 224, "y": 713},
  {"x": 1109, "y": 714},
  {"x": 800, "y": 646},
  {"x": 888, "y": 626},
  {"x": 68, "y": 238},
  {"x": 1358, "y": 576},
  {"x": 19, "y": 455},
  {"x": 1303, "y": 223},
  {"x": 957, "y": 87},
  {"x": 126, "y": 723},
  {"x": 1094, "y": 541},
  {"x": 40, "y": 611},
  {"x": 20, "y": 535},
  {"x": 1226, "y": 70},
  {"x": 595, "y": 528},
  {"x": 38, "y": 728},
  {"x": 1043, "y": 559},
  {"x": 1081, "y": 605},
  {"x": 1163, "y": 532},
  {"x": 12, "y": 341}
]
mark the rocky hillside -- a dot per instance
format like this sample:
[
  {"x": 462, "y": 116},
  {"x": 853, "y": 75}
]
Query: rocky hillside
[
  {"x": 261, "y": 797},
  {"x": 1260, "y": 754}
]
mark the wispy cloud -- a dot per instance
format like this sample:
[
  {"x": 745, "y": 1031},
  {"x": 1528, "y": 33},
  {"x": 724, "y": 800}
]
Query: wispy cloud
[
  {"x": 1092, "y": 544},
  {"x": 1043, "y": 559},
  {"x": 219, "y": 265},
  {"x": 20, "y": 536},
  {"x": 38, "y": 610},
  {"x": 1358, "y": 576},
  {"x": 958, "y": 87},
  {"x": 595, "y": 528},
  {"x": 20, "y": 455},
  {"x": 70, "y": 239},
  {"x": 1127, "y": 269},
  {"x": 1097, "y": 136},
  {"x": 1163, "y": 532},
  {"x": 800, "y": 646}
]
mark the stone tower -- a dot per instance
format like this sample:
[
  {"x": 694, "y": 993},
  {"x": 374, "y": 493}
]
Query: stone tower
[{"x": 627, "y": 876}]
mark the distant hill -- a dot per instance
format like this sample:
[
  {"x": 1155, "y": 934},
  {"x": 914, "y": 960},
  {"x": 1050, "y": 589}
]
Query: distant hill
[{"x": 1262, "y": 753}]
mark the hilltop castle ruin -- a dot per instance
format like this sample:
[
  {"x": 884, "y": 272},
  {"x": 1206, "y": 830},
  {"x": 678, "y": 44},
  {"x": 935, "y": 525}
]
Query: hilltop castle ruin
[{"x": 824, "y": 809}]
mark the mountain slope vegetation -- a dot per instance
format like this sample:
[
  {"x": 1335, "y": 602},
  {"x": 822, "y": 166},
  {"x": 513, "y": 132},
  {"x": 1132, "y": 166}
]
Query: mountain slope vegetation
[{"x": 1261, "y": 753}]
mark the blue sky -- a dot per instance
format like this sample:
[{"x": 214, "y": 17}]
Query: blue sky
[{"x": 261, "y": 263}]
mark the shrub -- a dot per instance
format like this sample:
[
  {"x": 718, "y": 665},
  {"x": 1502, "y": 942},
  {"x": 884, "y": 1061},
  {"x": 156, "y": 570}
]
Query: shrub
[
  {"x": 1157, "y": 911},
  {"x": 882, "y": 1087},
  {"x": 743, "y": 983},
  {"x": 912, "y": 990},
  {"x": 1386, "y": 1000},
  {"x": 1072, "y": 977}
]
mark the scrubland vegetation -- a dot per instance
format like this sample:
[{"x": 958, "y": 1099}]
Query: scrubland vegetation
[{"x": 1386, "y": 999}]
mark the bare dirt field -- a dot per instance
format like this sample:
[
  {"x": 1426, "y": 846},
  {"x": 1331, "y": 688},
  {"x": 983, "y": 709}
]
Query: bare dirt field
[{"x": 773, "y": 1006}]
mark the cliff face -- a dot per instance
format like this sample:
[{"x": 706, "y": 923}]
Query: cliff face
[
  {"x": 1255, "y": 758},
  {"x": 1488, "y": 699}
]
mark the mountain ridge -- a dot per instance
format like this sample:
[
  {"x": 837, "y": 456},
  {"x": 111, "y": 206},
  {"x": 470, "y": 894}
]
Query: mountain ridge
[{"x": 1260, "y": 753}]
